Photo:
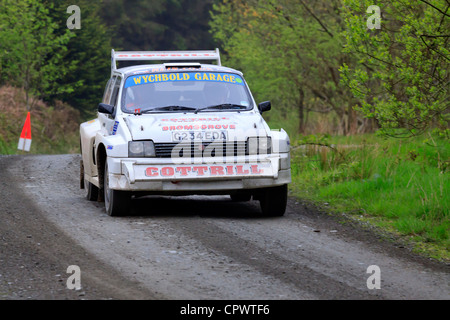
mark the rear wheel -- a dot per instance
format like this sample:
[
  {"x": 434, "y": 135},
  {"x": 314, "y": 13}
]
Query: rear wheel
[
  {"x": 116, "y": 202},
  {"x": 273, "y": 201},
  {"x": 90, "y": 191}
]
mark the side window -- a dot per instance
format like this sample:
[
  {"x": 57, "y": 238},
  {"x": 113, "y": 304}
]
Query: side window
[
  {"x": 108, "y": 90},
  {"x": 115, "y": 92}
]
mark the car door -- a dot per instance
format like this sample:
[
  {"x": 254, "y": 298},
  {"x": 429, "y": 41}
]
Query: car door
[{"x": 107, "y": 121}]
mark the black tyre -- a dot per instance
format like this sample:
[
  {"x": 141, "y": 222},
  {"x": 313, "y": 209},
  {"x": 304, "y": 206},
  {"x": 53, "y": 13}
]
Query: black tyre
[
  {"x": 273, "y": 201},
  {"x": 117, "y": 203},
  {"x": 91, "y": 191}
]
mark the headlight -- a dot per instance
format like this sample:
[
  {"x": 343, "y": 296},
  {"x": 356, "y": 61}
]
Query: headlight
[
  {"x": 141, "y": 149},
  {"x": 259, "y": 145}
]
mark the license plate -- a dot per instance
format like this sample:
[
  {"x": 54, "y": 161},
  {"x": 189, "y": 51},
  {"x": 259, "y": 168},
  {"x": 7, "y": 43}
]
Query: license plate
[{"x": 199, "y": 136}]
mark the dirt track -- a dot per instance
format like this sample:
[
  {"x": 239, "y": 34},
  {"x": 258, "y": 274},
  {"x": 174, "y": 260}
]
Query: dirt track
[{"x": 187, "y": 248}]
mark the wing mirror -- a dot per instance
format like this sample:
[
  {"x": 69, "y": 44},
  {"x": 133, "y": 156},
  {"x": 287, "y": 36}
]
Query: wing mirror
[
  {"x": 264, "y": 106},
  {"x": 106, "y": 108}
]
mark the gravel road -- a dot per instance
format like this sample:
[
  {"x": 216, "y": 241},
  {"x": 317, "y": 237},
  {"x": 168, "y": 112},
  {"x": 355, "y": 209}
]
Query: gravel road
[{"x": 184, "y": 248}]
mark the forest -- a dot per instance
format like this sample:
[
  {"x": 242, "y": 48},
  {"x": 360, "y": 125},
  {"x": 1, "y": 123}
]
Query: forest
[
  {"x": 320, "y": 62},
  {"x": 361, "y": 86}
]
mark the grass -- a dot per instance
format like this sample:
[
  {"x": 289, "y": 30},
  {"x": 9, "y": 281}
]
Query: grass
[
  {"x": 54, "y": 127},
  {"x": 398, "y": 185}
]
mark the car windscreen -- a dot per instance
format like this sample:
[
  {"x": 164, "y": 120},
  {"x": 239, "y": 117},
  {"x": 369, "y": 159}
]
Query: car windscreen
[{"x": 185, "y": 91}]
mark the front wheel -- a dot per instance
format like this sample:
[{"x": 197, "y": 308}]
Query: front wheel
[
  {"x": 117, "y": 203},
  {"x": 273, "y": 201}
]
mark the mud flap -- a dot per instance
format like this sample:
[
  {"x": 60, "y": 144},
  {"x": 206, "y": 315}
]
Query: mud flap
[{"x": 82, "y": 175}]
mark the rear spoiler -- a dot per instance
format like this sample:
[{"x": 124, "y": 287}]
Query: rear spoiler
[{"x": 212, "y": 55}]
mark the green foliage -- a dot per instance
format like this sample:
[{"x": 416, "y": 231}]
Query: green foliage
[
  {"x": 85, "y": 63},
  {"x": 158, "y": 24},
  {"x": 31, "y": 51},
  {"x": 402, "y": 77},
  {"x": 290, "y": 53},
  {"x": 324, "y": 59},
  {"x": 40, "y": 54},
  {"x": 55, "y": 128},
  {"x": 87, "y": 55},
  {"x": 401, "y": 184}
]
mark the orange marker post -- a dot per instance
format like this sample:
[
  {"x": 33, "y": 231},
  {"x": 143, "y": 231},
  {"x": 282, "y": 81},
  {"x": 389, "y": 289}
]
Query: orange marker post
[{"x": 25, "y": 137}]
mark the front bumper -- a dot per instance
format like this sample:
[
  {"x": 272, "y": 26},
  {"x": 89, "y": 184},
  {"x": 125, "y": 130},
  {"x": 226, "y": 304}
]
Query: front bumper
[{"x": 161, "y": 175}]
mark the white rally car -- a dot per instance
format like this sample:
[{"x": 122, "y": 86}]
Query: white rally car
[{"x": 182, "y": 128}]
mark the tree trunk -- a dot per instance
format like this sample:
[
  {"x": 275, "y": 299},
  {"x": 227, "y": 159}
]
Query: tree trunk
[
  {"x": 301, "y": 112},
  {"x": 27, "y": 87},
  {"x": 352, "y": 121}
]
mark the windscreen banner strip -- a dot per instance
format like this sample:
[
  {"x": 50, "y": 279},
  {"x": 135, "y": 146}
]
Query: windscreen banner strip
[{"x": 188, "y": 76}]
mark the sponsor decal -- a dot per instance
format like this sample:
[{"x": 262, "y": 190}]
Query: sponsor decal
[
  {"x": 195, "y": 119},
  {"x": 200, "y": 127},
  {"x": 184, "y": 76},
  {"x": 159, "y": 70},
  {"x": 199, "y": 124},
  {"x": 205, "y": 171},
  {"x": 115, "y": 127}
]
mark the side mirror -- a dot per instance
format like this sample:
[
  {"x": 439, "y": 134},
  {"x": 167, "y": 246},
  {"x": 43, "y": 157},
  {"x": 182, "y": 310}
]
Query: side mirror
[
  {"x": 106, "y": 108},
  {"x": 264, "y": 106}
]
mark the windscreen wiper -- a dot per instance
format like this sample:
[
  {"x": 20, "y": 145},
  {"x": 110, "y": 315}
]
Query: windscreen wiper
[
  {"x": 170, "y": 108},
  {"x": 230, "y": 106}
]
